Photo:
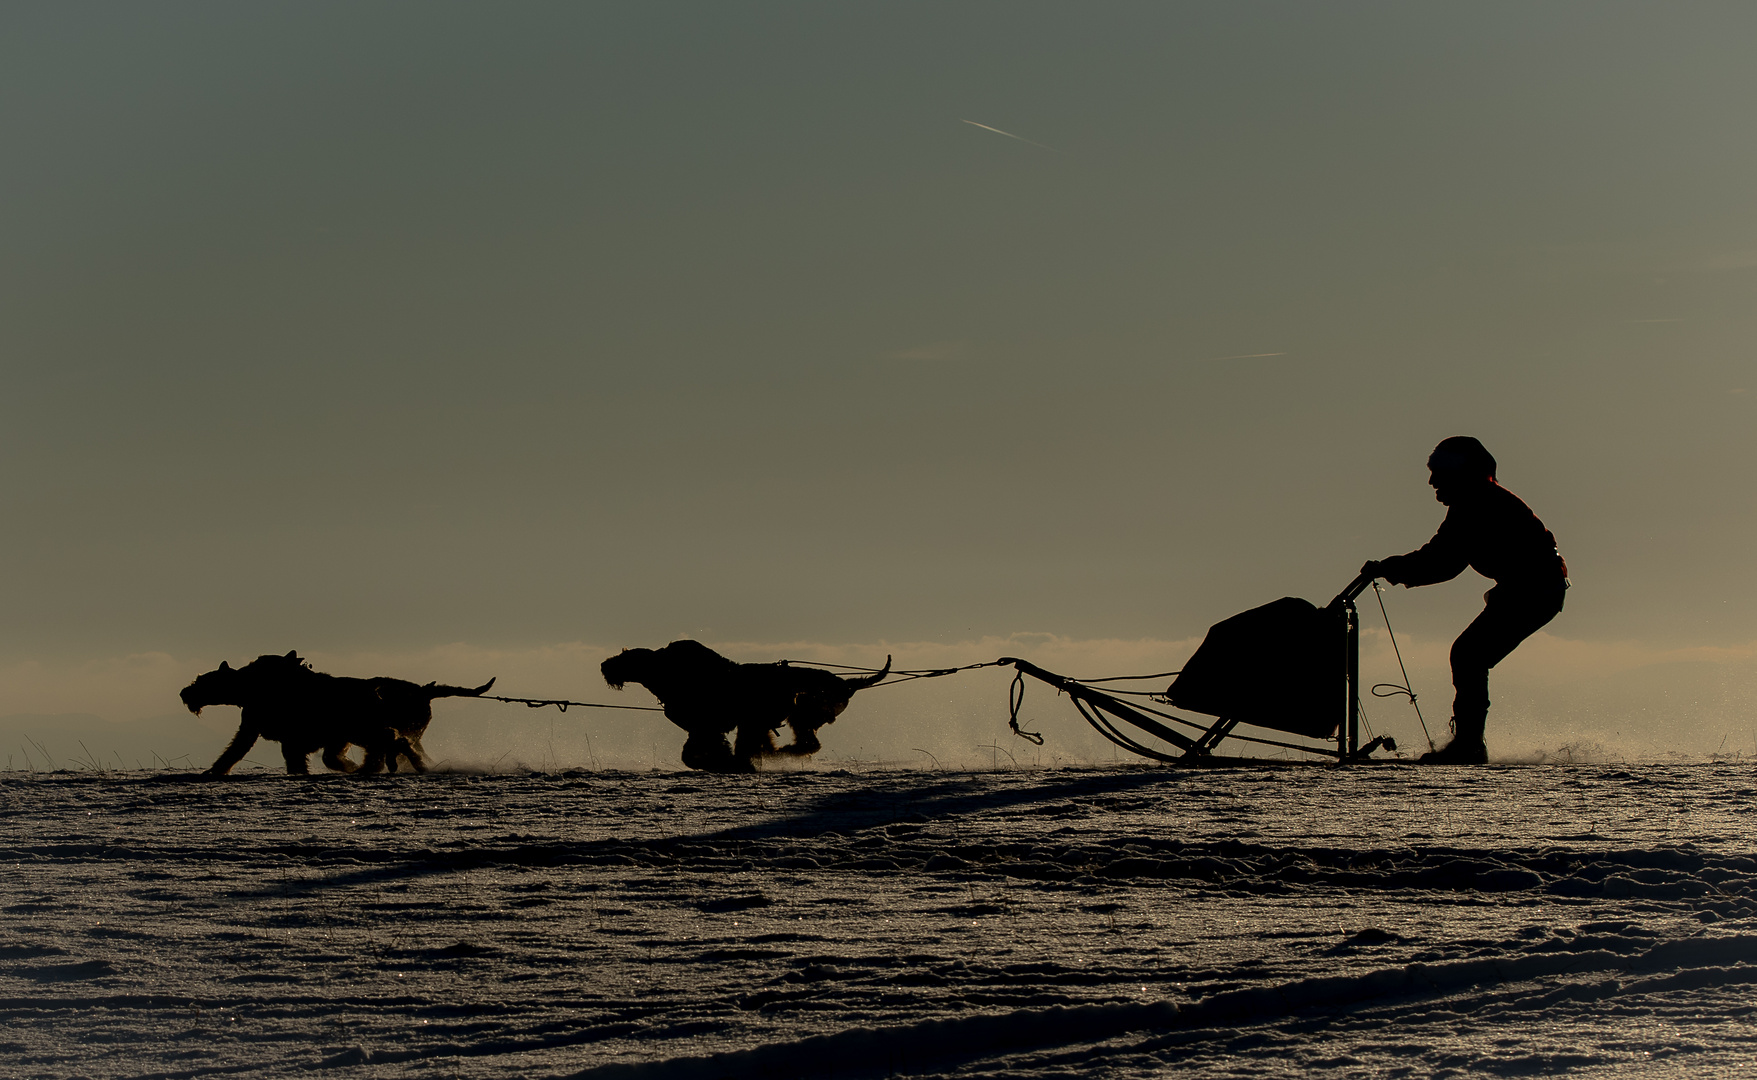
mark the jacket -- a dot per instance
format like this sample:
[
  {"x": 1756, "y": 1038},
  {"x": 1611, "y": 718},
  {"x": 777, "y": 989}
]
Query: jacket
[{"x": 1490, "y": 530}]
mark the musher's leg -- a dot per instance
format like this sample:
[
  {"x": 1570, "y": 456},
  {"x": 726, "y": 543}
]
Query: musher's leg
[{"x": 1506, "y": 620}]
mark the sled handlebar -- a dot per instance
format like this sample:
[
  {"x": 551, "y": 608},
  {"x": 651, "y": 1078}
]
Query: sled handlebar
[{"x": 1359, "y": 585}]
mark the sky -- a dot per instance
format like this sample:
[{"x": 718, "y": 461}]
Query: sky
[{"x": 448, "y": 336}]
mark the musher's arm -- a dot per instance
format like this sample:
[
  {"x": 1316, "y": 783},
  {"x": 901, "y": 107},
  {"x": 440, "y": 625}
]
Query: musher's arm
[{"x": 1440, "y": 559}]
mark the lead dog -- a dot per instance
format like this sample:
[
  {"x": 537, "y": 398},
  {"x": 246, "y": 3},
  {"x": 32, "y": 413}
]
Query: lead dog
[
  {"x": 709, "y": 697},
  {"x": 306, "y": 711}
]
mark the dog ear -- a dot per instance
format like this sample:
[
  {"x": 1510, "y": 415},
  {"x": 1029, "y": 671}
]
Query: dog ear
[
  {"x": 292, "y": 654},
  {"x": 225, "y": 666}
]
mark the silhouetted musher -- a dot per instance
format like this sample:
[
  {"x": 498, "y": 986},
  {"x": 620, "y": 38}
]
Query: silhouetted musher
[{"x": 1490, "y": 530}]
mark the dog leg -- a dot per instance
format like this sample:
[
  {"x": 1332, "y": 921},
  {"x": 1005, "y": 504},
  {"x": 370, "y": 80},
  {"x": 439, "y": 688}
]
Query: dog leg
[
  {"x": 409, "y": 747},
  {"x": 234, "y": 751},
  {"x": 754, "y": 741},
  {"x": 710, "y": 752},
  {"x": 382, "y": 751},
  {"x": 406, "y": 750},
  {"x": 336, "y": 757},
  {"x": 297, "y": 765},
  {"x": 399, "y": 751},
  {"x": 375, "y": 761},
  {"x": 805, "y": 741}
]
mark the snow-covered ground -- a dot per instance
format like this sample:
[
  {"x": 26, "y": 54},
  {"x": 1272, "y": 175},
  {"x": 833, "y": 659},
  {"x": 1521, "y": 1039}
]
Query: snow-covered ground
[{"x": 1120, "y": 921}]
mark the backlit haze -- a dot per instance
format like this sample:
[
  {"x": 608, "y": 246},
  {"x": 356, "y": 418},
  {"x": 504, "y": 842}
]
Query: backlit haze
[{"x": 447, "y": 341}]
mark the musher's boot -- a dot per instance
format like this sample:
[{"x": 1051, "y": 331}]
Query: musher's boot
[
  {"x": 1466, "y": 747},
  {"x": 1460, "y": 751}
]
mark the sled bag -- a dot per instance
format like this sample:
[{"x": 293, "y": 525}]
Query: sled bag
[{"x": 1278, "y": 666}]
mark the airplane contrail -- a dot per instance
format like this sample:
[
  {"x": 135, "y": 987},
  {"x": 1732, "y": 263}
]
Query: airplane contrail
[
  {"x": 1247, "y": 356},
  {"x": 1008, "y": 134}
]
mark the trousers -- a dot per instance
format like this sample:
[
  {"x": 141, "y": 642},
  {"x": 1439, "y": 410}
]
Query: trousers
[{"x": 1510, "y": 614}]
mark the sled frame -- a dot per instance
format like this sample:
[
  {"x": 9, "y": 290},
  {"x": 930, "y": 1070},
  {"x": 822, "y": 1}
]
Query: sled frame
[{"x": 1103, "y": 711}]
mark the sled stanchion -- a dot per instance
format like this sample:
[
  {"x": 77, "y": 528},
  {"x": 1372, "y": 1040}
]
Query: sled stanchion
[
  {"x": 1353, "y": 679},
  {"x": 1348, "y": 731}
]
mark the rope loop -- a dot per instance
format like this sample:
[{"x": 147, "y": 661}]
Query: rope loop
[{"x": 1015, "y": 700}]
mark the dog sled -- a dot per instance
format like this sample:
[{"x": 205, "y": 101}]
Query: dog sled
[{"x": 1289, "y": 667}]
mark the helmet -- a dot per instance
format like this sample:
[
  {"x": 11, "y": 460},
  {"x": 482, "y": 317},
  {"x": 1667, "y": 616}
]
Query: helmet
[{"x": 1462, "y": 455}]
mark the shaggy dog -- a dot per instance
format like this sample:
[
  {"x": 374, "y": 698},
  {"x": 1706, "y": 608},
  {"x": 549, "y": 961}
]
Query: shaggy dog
[
  {"x": 284, "y": 701},
  {"x": 710, "y": 696}
]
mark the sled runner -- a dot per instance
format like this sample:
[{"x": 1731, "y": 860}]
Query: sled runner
[{"x": 1288, "y": 667}]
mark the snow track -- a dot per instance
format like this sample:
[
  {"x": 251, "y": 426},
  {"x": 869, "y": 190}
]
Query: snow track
[
  {"x": 1460, "y": 983},
  {"x": 1113, "y": 922}
]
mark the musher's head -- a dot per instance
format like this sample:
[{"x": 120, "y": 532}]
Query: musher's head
[{"x": 1458, "y": 465}]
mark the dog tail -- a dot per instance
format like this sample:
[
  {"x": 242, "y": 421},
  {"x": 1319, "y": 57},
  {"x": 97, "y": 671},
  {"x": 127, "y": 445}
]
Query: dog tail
[
  {"x": 870, "y": 680},
  {"x": 439, "y": 690}
]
